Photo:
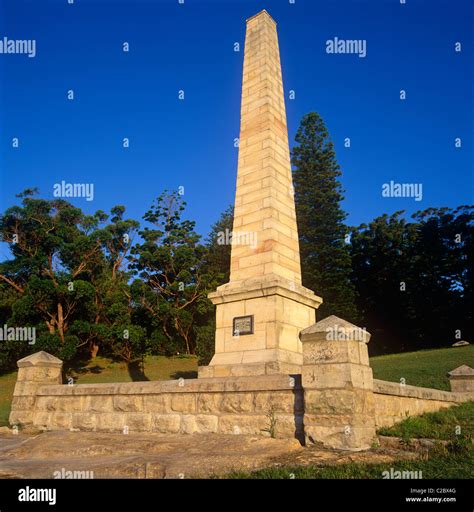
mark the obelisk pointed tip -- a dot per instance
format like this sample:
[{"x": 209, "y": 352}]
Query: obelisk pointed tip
[{"x": 263, "y": 12}]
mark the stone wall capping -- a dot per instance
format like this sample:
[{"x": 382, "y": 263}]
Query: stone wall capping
[
  {"x": 40, "y": 358},
  {"x": 276, "y": 382},
  {"x": 396, "y": 389}
]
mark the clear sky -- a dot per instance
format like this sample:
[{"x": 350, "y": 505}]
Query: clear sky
[{"x": 190, "y": 143}]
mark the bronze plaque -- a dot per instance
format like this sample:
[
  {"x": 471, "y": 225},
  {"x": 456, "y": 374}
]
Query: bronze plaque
[{"x": 242, "y": 325}]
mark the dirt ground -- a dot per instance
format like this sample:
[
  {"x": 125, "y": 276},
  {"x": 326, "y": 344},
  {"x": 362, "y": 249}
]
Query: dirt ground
[{"x": 159, "y": 456}]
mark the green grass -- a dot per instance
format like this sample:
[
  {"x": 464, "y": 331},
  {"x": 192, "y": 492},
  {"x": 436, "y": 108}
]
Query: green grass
[
  {"x": 445, "y": 424},
  {"x": 102, "y": 369},
  {"x": 427, "y": 368},
  {"x": 7, "y": 384},
  {"x": 440, "y": 465}
]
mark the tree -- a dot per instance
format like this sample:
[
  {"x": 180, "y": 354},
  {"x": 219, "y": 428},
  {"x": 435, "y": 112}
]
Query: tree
[
  {"x": 114, "y": 307},
  {"x": 171, "y": 292},
  {"x": 325, "y": 259},
  {"x": 65, "y": 277},
  {"x": 414, "y": 279},
  {"x": 218, "y": 254},
  {"x": 381, "y": 254},
  {"x": 217, "y": 264},
  {"x": 52, "y": 256}
]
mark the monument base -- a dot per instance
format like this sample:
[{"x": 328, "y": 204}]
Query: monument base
[
  {"x": 276, "y": 310},
  {"x": 250, "y": 369}
]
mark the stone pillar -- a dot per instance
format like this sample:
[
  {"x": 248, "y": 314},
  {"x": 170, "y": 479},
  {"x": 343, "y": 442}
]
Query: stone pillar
[
  {"x": 338, "y": 385},
  {"x": 33, "y": 372},
  {"x": 461, "y": 379}
]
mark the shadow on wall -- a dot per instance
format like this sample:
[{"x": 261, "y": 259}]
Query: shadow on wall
[{"x": 298, "y": 409}]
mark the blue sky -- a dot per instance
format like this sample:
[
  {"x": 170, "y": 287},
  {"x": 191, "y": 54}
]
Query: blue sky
[{"x": 190, "y": 143}]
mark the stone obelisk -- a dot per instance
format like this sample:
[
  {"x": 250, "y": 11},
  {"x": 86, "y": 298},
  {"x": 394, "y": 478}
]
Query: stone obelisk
[{"x": 263, "y": 308}]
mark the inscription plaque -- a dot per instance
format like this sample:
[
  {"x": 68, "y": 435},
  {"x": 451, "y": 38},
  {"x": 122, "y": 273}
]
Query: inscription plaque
[{"x": 242, "y": 325}]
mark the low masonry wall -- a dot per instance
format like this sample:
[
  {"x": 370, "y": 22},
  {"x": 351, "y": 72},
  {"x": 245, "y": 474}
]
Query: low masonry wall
[
  {"x": 334, "y": 402},
  {"x": 395, "y": 402},
  {"x": 265, "y": 405}
]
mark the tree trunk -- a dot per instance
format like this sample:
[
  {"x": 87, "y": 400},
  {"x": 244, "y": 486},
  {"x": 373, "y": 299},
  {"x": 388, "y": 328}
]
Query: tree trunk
[
  {"x": 94, "y": 350},
  {"x": 60, "y": 322}
]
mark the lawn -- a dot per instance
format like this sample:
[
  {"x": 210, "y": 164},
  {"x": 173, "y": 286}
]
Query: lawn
[
  {"x": 427, "y": 368},
  {"x": 7, "y": 383},
  {"x": 102, "y": 369},
  {"x": 440, "y": 465}
]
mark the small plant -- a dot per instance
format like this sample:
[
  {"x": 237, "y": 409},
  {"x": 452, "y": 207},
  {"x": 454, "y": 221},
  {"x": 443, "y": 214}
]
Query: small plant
[
  {"x": 375, "y": 443},
  {"x": 272, "y": 422},
  {"x": 406, "y": 441},
  {"x": 459, "y": 445}
]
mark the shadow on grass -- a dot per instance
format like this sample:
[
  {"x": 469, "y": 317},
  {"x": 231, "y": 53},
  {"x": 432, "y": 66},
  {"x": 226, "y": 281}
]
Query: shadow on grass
[
  {"x": 190, "y": 374},
  {"x": 136, "y": 370}
]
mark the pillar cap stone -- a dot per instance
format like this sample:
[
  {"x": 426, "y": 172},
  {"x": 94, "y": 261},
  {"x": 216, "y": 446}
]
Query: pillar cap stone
[
  {"x": 263, "y": 12},
  {"x": 41, "y": 358},
  {"x": 267, "y": 285},
  {"x": 333, "y": 328},
  {"x": 461, "y": 371}
]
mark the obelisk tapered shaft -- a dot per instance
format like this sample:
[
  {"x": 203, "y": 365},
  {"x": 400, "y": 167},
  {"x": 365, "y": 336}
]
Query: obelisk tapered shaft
[{"x": 264, "y": 203}]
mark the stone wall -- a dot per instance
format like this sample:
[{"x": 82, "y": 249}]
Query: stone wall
[
  {"x": 266, "y": 405},
  {"x": 335, "y": 402},
  {"x": 395, "y": 402}
]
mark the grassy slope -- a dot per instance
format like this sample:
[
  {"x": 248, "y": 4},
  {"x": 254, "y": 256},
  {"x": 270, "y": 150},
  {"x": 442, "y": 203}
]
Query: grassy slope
[
  {"x": 427, "y": 368},
  {"x": 439, "y": 465}
]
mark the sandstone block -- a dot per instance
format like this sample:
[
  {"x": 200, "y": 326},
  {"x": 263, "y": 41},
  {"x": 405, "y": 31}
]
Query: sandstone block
[
  {"x": 166, "y": 423},
  {"x": 287, "y": 401},
  {"x": 41, "y": 420},
  {"x": 84, "y": 421},
  {"x": 339, "y": 401},
  {"x": 237, "y": 402},
  {"x": 129, "y": 403},
  {"x": 99, "y": 403},
  {"x": 159, "y": 403},
  {"x": 243, "y": 424},
  {"x": 199, "y": 423},
  {"x": 138, "y": 422},
  {"x": 355, "y": 439},
  {"x": 209, "y": 402},
  {"x": 60, "y": 421},
  {"x": 21, "y": 417},
  {"x": 183, "y": 402},
  {"x": 338, "y": 375},
  {"x": 110, "y": 422},
  {"x": 23, "y": 402}
]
